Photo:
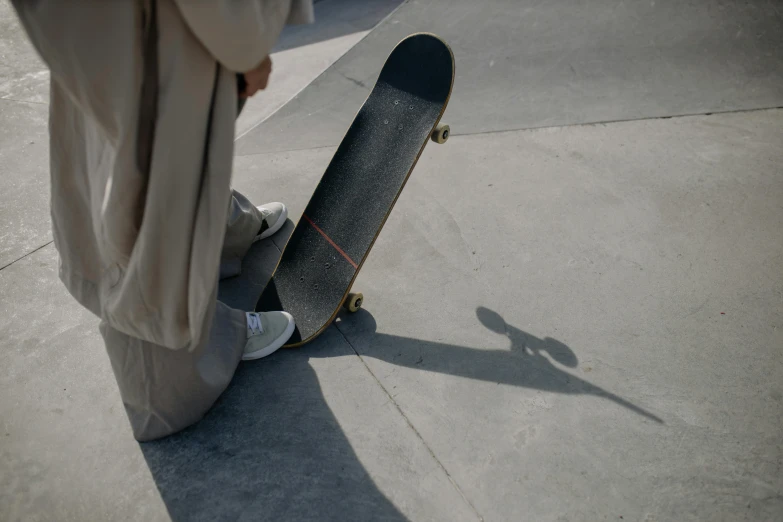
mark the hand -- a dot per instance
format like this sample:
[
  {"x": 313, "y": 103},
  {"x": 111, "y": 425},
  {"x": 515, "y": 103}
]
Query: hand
[{"x": 257, "y": 79}]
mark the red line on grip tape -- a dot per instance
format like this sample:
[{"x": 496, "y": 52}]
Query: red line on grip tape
[{"x": 340, "y": 250}]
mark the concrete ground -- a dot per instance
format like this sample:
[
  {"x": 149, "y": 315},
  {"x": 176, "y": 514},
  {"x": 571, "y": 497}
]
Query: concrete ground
[{"x": 573, "y": 313}]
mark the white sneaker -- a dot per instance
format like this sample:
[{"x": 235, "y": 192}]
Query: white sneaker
[
  {"x": 266, "y": 333},
  {"x": 274, "y": 218}
]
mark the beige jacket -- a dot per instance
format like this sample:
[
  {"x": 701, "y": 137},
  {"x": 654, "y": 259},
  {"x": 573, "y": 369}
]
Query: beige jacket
[{"x": 140, "y": 235}]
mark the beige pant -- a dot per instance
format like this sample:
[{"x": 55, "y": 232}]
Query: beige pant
[{"x": 165, "y": 391}]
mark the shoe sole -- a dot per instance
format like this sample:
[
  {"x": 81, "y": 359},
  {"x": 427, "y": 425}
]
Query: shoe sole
[
  {"x": 274, "y": 228},
  {"x": 276, "y": 345}
]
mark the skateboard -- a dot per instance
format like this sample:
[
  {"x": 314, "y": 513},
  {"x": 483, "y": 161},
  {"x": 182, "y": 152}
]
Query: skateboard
[{"x": 351, "y": 203}]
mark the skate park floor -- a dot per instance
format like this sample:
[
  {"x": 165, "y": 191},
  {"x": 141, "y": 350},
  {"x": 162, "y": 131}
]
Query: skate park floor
[{"x": 573, "y": 313}]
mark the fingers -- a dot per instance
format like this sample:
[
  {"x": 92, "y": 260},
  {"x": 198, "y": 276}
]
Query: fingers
[{"x": 258, "y": 78}]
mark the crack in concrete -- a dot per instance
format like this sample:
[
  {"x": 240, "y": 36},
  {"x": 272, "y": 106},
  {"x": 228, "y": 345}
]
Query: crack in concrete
[
  {"x": 353, "y": 80},
  {"x": 412, "y": 427},
  {"x": 14, "y": 100},
  {"x": 544, "y": 127},
  {"x": 26, "y": 255}
]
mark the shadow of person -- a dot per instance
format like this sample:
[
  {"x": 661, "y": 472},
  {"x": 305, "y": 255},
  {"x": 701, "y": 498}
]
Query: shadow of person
[
  {"x": 270, "y": 448},
  {"x": 526, "y": 364},
  {"x": 524, "y": 341},
  {"x": 339, "y": 18}
]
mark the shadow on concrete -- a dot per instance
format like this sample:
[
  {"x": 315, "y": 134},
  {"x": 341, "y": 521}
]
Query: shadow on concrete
[
  {"x": 525, "y": 364},
  {"x": 270, "y": 449},
  {"x": 336, "y": 18}
]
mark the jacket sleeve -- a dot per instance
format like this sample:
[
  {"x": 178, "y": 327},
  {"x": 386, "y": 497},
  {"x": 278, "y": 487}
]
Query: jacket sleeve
[{"x": 241, "y": 34}]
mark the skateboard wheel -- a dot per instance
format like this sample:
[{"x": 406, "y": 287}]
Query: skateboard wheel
[
  {"x": 353, "y": 302},
  {"x": 441, "y": 133}
]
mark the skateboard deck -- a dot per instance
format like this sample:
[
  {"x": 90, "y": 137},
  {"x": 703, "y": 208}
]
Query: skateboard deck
[{"x": 360, "y": 186}]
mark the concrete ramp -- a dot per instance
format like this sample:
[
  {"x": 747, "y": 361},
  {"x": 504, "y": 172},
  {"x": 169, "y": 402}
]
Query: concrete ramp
[{"x": 524, "y": 64}]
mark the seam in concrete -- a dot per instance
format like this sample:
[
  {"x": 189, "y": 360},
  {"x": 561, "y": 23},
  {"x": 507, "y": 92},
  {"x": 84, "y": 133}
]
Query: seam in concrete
[
  {"x": 14, "y": 100},
  {"x": 334, "y": 63},
  {"x": 412, "y": 427},
  {"x": 26, "y": 255},
  {"x": 283, "y": 151},
  {"x": 629, "y": 120},
  {"x": 543, "y": 127}
]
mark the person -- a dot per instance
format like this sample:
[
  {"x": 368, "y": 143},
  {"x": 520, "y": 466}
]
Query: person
[{"x": 143, "y": 100}]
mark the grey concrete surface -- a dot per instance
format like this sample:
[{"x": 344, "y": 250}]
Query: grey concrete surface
[
  {"x": 523, "y": 64},
  {"x": 580, "y": 322},
  {"x": 547, "y": 309},
  {"x": 23, "y": 77},
  {"x": 294, "y": 438},
  {"x": 24, "y": 194},
  {"x": 24, "y": 143},
  {"x": 335, "y": 19}
]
